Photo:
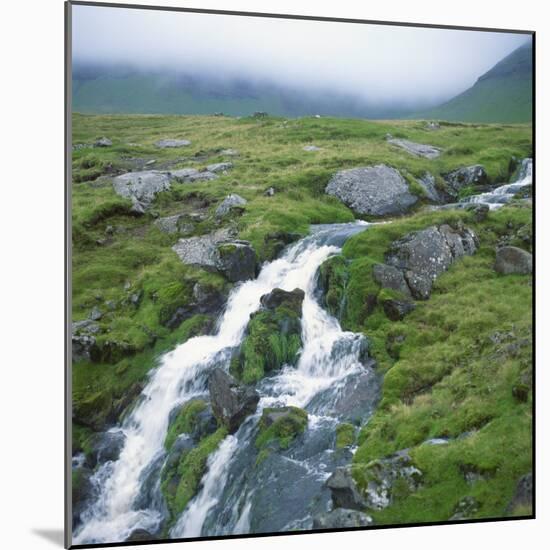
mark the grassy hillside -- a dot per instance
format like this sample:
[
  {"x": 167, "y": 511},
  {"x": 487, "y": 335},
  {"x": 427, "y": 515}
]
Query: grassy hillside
[
  {"x": 503, "y": 94},
  {"x": 450, "y": 367}
]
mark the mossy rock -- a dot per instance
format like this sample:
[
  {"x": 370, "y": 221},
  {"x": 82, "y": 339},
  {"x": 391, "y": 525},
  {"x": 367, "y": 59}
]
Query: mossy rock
[
  {"x": 345, "y": 435},
  {"x": 185, "y": 421},
  {"x": 278, "y": 427},
  {"x": 333, "y": 278}
]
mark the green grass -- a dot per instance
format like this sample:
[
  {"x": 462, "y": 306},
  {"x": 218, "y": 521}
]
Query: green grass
[
  {"x": 283, "y": 430},
  {"x": 184, "y": 421}
]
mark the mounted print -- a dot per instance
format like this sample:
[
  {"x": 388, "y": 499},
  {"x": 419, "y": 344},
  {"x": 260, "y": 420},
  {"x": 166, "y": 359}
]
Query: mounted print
[{"x": 300, "y": 274}]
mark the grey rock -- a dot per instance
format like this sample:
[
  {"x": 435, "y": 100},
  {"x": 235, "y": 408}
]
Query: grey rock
[
  {"x": 376, "y": 190},
  {"x": 96, "y": 314},
  {"x": 395, "y": 310},
  {"x": 510, "y": 259},
  {"x": 236, "y": 260},
  {"x": 479, "y": 211},
  {"x": 388, "y": 276},
  {"x": 189, "y": 175},
  {"x": 344, "y": 490},
  {"x": 171, "y": 143},
  {"x": 180, "y": 223},
  {"x": 139, "y": 535},
  {"x": 150, "y": 162},
  {"x": 463, "y": 177},
  {"x": 423, "y": 255},
  {"x": 141, "y": 187},
  {"x": 83, "y": 339},
  {"x": 231, "y": 203},
  {"x": 416, "y": 149},
  {"x": 427, "y": 182},
  {"x": 277, "y": 297},
  {"x": 103, "y": 142},
  {"x": 465, "y": 508},
  {"x": 106, "y": 447},
  {"x": 219, "y": 167},
  {"x": 202, "y": 251},
  {"x": 341, "y": 518},
  {"x": 83, "y": 492},
  {"x": 311, "y": 148},
  {"x": 229, "y": 152},
  {"x": 269, "y": 192},
  {"x": 523, "y": 496},
  {"x": 231, "y": 402}
]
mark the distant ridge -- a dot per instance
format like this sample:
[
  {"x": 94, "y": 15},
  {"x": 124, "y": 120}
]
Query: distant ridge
[{"x": 502, "y": 94}]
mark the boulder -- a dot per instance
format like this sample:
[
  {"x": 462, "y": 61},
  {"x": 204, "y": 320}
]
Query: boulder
[
  {"x": 141, "y": 187},
  {"x": 375, "y": 190},
  {"x": 423, "y": 255},
  {"x": 388, "y": 276},
  {"x": 139, "y": 535},
  {"x": 237, "y": 260},
  {"x": 466, "y": 176},
  {"x": 82, "y": 492},
  {"x": 189, "y": 175},
  {"x": 180, "y": 223},
  {"x": 522, "y": 501},
  {"x": 106, "y": 447},
  {"x": 277, "y": 297},
  {"x": 219, "y": 167},
  {"x": 510, "y": 259},
  {"x": 344, "y": 491},
  {"x": 172, "y": 143},
  {"x": 103, "y": 142},
  {"x": 416, "y": 149},
  {"x": 341, "y": 518},
  {"x": 395, "y": 310},
  {"x": 231, "y": 402},
  {"x": 231, "y": 203},
  {"x": 427, "y": 182}
]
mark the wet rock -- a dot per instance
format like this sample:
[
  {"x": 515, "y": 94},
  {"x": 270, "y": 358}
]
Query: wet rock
[
  {"x": 103, "y": 142},
  {"x": 276, "y": 242},
  {"x": 277, "y": 297},
  {"x": 416, "y": 149},
  {"x": 141, "y": 187},
  {"x": 237, "y": 260},
  {"x": 172, "y": 143},
  {"x": 510, "y": 259},
  {"x": 375, "y": 190},
  {"x": 388, "y": 276},
  {"x": 219, "y": 167},
  {"x": 522, "y": 501},
  {"x": 464, "y": 177},
  {"x": 83, "y": 339},
  {"x": 189, "y": 175},
  {"x": 423, "y": 255},
  {"x": 106, "y": 447},
  {"x": 138, "y": 535},
  {"x": 466, "y": 508},
  {"x": 341, "y": 518},
  {"x": 231, "y": 401},
  {"x": 83, "y": 492},
  {"x": 479, "y": 211},
  {"x": 311, "y": 148},
  {"x": 279, "y": 427},
  {"x": 231, "y": 203},
  {"x": 344, "y": 491},
  {"x": 395, "y": 310}
]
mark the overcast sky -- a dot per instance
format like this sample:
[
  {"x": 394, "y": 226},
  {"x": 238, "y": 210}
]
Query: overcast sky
[{"x": 375, "y": 62}]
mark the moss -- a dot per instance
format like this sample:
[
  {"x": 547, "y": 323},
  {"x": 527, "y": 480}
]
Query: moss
[
  {"x": 184, "y": 421},
  {"x": 345, "y": 435},
  {"x": 333, "y": 278},
  {"x": 290, "y": 423}
]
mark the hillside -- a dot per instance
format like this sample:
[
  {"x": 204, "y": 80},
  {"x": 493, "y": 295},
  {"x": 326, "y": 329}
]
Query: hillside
[{"x": 502, "y": 94}]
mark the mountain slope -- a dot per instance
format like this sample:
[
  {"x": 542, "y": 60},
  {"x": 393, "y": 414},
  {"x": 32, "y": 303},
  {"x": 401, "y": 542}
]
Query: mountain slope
[{"x": 502, "y": 94}]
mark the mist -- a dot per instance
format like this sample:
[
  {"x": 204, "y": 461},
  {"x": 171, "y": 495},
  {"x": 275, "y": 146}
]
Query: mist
[{"x": 378, "y": 64}]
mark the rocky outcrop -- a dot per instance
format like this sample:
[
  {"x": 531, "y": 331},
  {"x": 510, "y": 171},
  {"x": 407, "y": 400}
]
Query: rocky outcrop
[
  {"x": 83, "y": 339},
  {"x": 374, "y": 190},
  {"x": 141, "y": 187},
  {"x": 277, "y": 297},
  {"x": 202, "y": 251},
  {"x": 388, "y": 276},
  {"x": 424, "y": 255},
  {"x": 183, "y": 224},
  {"x": 395, "y": 310},
  {"x": 172, "y": 143},
  {"x": 510, "y": 259},
  {"x": 428, "y": 184},
  {"x": 231, "y": 402},
  {"x": 344, "y": 490},
  {"x": 231, "y": 203},
  {"x": 341, "y": 518},
  {"x": 416, "y": 149},
  {"x": 279, "y": 427},
  {"x": 237, "y": 261},
  {"x": 189, "y": 175},
  {"x": 464, "y": 177}
]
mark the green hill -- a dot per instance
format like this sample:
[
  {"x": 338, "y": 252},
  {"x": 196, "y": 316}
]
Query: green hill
[{"x": 503, "y": 94}]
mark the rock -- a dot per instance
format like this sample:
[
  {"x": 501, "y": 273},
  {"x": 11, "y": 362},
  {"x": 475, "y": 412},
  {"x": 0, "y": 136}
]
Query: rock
[
  {"x": 150, "y": 162},
  {"x": 231, "y": 203},
  {"x": 180, "y": 223},
  {"x": 510, "y": 259},
  {"x": 277, "y": 297},
  {"x": 465, "y": 508},
  {"x": 279, "y": 426},
  {"x": 464, "y": 177},
  {"x": 231, "y": 402},
  {"x": 432, "y": 125},
  {"x": 106, "y": 447},
  {"x": 395, "y": 310},
  {"x": 522, "y": 501},
  {"x": 138, "y": 535},
  {"x": 388, "y": 276},
  {"x": 341, "y": 518},
  {"x": 311, "y": 148},
  {"x": 344, "y": 491},
  {"x": 382, "y": 474},
  {"x": 189, "y": 175},
  {"x": 423, "y": 255},
  {"x": 95, "y": 314},
  {"x": 269, "y": 192},
  {"x": 520, "y": 392},
  {"x": 82, "y": 492},
  {"x": 237, "y": 261},
  {"x": 135, "y": 298},
  {"x": 229, "y": 152},
  {"x": 276, "y": 242},
  {"x": 479, "y": 211},
  {"x": 427, "y": 182},
  {"x": 375, "y": 190},
  {"x": 171, "y": 143},
  {"x": 103, "y": 142},
  {"x": 416, "y": 149},
  {"x": 260, "y": 114},
  {"x": 83, "y": 339},
  {"x": 141, "y": 187},
  {"x": 219, "y": 167}
]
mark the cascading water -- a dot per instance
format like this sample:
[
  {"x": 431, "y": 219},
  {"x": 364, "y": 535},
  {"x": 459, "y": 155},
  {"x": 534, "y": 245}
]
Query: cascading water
[
  {"x": 330, "y": 381},
  {"x": 505, "y": 193}
]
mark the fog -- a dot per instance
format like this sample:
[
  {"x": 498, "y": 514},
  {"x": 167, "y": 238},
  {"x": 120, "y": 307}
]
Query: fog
[{"x": 375, "y": 63}]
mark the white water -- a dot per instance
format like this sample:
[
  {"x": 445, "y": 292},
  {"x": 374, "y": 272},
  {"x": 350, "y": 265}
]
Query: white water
[
  {"x": 504, "y": 193},
  {"x": 181, "y": 375}
]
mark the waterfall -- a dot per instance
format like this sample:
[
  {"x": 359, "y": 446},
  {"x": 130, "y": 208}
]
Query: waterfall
[{"x": 329, "y": 356}]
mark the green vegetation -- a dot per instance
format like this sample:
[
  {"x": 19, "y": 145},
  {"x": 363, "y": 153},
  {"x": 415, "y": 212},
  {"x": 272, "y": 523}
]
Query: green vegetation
[
  {"x": 184, "y": 421},
  {"x": 278, "y": 428},
  {"x": 345, "y": 435}
]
